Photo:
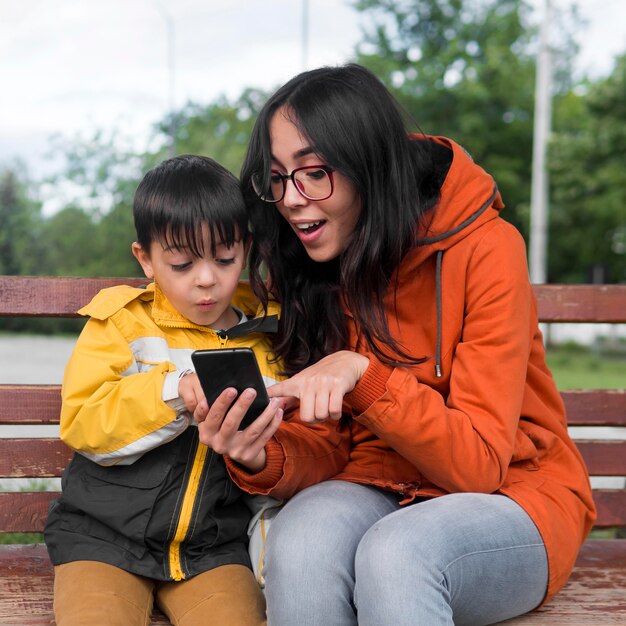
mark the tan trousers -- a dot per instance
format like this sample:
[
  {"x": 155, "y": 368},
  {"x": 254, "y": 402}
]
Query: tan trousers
[{"x": 89, "y": 593}]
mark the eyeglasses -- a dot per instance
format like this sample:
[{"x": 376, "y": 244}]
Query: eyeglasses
[{"x": 314, "y": 182}]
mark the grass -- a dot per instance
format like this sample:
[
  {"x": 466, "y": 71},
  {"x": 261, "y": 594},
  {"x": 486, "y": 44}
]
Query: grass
[
  {"x": 579, "y": 367},
  {"x": 6, "y": 538}
]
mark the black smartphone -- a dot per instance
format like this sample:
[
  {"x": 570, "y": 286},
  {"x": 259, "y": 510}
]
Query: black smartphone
[{"x": 231, "y": 367}]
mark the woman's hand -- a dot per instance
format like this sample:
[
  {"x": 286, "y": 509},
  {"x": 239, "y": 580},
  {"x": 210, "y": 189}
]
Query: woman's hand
[
  {"x": 322, "y": 386},
  {"x": 218, "y": 427}
]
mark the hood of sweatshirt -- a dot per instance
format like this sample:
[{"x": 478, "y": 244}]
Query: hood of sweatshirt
[{"x": 468, "y": 199}]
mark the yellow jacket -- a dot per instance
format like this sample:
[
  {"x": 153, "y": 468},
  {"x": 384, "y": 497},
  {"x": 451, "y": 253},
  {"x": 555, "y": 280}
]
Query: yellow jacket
[
  {"x": 112, "y": 416},
  {"x": 143, "y": 493}
]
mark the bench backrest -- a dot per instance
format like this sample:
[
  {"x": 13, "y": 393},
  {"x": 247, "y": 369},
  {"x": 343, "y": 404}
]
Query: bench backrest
[{"x": 61, "y": 297}]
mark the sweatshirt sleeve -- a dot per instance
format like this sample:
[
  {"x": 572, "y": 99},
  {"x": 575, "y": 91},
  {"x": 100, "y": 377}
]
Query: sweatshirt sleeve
[
  {"x": 298, "y": 456},
  {"x": 112, "y": 413},
  {"x": 465, "y": 440}
]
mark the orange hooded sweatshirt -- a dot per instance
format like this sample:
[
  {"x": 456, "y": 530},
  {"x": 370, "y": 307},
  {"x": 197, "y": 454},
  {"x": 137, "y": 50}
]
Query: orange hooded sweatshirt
[{"x": 482, "y": 413}]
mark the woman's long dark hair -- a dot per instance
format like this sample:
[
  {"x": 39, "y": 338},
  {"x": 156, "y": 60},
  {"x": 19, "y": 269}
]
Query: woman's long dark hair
[{"x": 357, "y": 128}]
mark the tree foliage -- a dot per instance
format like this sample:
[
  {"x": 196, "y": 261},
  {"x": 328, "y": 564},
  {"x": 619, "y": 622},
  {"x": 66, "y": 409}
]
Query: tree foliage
[
  {"x": 587, "y": 165},
  {"x": 220, "y": 129},
  {"x": 466, "y": 69},
  {"x": 460, "y": 68},
  {"x": 20, "y": 225},
  {"x": 463, "y": 69}
]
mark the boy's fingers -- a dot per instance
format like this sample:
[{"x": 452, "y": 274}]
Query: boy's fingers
[{"x": 201, "y": 410}]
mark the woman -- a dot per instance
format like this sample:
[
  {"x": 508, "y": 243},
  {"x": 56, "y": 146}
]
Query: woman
[{"x": 435, "y": 479}]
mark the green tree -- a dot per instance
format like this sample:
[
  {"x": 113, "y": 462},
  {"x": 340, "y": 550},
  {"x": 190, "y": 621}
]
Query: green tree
[
  {"x": 72, "y": 244},
  {"x": 100, "y": 179},
  {"x": 117, "y": 232},
  {"x": 464, "y": 69},
  {"x": 219, "y": 130},
  {"x": 99, "y": 176},
  {"x": 20, "y": 223},
  {"x": 588, "y": 194},
  {"x": 99, "y": 170}
]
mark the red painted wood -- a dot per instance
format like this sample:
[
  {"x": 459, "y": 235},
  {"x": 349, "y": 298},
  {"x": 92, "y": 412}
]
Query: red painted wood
[
  {"x": 595, "y": 407},
  {"x": 30, "y": 404},
  {"x": 593, "y": 596},
  {"x": 33, "y": 458},
  {"x": 25, "y": 512},
  {"x": 595, "y": 593},
  {"x": 38, "y": 296},
  {"x": 26, "y": 579},
  {"x": 611, "y": 506},
  {"x": 62, "y": 296},
  {"x": 41, "y": 404},
  {"x": 581, "y": 303},
  {"x": 604, "y": 457}
]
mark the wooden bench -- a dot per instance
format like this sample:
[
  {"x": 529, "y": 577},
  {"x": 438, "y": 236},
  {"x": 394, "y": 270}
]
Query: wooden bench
[{"x": 595, "y": 594}]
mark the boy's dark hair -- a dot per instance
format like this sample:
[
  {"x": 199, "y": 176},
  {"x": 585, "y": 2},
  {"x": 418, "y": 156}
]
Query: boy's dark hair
[
  {"x": 355, "y": 125},
  {"x": 179, "y": 195}
]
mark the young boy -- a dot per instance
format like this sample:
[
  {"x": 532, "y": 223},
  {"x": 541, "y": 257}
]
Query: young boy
[{"x": 147, "y": 511}]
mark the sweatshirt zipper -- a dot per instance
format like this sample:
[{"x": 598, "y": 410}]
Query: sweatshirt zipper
[{"x": 186, "y": 512}]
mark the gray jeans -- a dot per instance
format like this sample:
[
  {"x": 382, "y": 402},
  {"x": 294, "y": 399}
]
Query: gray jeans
[{"x": 340, "y": 554}]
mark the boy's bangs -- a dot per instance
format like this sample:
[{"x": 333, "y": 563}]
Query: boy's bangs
[{"x": 193, "y": 238}]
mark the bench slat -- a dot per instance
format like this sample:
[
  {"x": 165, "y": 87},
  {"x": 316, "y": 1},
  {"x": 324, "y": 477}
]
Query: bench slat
[
  {"x": 603, "y": 457},
  {"x": 33, "y": 458},
  {"x": 41, "y": 404},
  {"x": 611, "y": 507},
  {"x": 30, "y": 404},
  {"x": 37, "y": 296},
  {"x": 62, "y": 296},
  {"x": 595, "y": 407},
  {"x": 27, "y": 511},
  {"x": 47, "y": 457},
  {"x": 581, "y": 303},
  {"x": 594, "y": 594}
]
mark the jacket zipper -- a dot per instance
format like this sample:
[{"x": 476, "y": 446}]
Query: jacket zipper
[
  {"x": 186, "y": 511},
  {"x": 223, "y": 338},
  {"x": 191, "y": 491}
]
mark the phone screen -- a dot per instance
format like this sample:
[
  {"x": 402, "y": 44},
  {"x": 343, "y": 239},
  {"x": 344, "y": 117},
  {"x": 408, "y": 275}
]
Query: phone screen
[{"x": 231, "y": 367}]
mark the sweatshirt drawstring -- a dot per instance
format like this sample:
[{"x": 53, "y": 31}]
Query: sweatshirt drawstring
[
  {"x": 441, "y": 237},
  {"x": 438, "y": 373}
]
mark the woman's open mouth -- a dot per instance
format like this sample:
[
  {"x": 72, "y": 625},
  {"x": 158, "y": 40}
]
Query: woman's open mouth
[{"x": 307, "y": 229}]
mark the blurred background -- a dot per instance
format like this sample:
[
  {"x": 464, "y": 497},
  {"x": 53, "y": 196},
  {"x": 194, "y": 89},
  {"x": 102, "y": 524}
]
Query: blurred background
[{"x": 94, "y": 93}]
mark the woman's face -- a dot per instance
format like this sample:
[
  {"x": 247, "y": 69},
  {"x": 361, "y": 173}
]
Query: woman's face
[{"x": 324, "y": 227}]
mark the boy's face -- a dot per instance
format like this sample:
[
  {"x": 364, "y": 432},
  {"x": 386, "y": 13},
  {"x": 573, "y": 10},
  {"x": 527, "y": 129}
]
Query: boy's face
[{"x": 200, "y": 288}]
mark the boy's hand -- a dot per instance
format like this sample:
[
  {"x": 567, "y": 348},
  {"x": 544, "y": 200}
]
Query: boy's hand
[
  {"x": 190, "y": 391},
  {"x": 218, "y": 427}
]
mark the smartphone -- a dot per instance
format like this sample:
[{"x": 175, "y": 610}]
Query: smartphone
[{"x": 231, "y": 367}]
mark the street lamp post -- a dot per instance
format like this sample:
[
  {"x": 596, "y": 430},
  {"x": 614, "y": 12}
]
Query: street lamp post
[
  {"x": 169, "y": 25},
  {"x": 538, "y": 244},
  {"x": 305, "y": 34}
]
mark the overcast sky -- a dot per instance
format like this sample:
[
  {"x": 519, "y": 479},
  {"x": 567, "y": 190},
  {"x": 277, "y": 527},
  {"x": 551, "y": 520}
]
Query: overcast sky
[{"x": 70, "y": 66}]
